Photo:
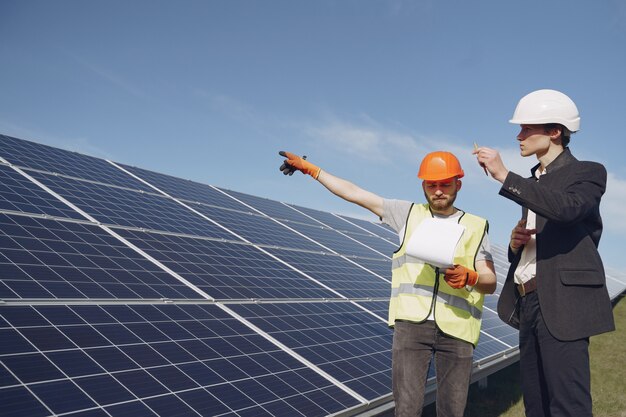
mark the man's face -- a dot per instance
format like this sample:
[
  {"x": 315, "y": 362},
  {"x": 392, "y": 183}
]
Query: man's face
[
  {"x": 533, "y": 140},
  {"x": 441, "y": 194}
]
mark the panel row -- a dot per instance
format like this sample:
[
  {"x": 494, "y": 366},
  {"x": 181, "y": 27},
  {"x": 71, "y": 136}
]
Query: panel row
[{"x": 147, "y": 359}]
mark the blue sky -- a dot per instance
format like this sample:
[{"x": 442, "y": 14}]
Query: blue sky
[{"x": 212, "y": 90}]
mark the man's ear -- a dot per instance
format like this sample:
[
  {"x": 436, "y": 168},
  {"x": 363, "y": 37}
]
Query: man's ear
[
  {"x": 459, "y": 184},
  {"x": 555, "y": 132}
]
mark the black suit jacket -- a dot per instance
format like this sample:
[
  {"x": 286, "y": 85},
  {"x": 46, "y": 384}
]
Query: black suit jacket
[{"x": 571, "y": 284}]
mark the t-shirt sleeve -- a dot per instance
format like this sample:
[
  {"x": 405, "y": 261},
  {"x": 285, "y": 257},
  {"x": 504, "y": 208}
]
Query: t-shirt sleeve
[{"x": 395, "y": 213}]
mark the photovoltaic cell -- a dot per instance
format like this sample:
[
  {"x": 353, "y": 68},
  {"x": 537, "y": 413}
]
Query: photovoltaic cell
[
  {"x": 330, "y": 220},
  {"x": 380, "y": 308},
  {"x": 350, "y": 344},
  {"x": 124, "y": 207},
  {"x": 186, "y": 189},
  {"x": 337, "y": 273},
  {"x": 258, "y": 229},
  {"x": 336, "y": 241},
  {"x": 41, "y": 258},
  {"x": 216, "y": 365},
  {"x": 379, "y": 229},
  {"x": 272, "y": 208},
  {"x": 488, "y": 347},
  {"x": 382, "y": 246},
  {"x": 380, "y": 267},
  {"x": 226, "y": 270},
  {"x": 18, "y": 193},
  {"x": 41, "y": 157}
]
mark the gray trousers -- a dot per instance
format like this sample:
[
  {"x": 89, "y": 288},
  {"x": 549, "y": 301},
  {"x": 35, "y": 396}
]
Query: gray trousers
[{"x": 413, "y": 347}]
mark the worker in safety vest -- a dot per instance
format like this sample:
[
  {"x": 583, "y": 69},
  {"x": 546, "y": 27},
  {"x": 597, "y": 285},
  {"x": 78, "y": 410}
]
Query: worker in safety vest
[{"x": 435, "y": 308}]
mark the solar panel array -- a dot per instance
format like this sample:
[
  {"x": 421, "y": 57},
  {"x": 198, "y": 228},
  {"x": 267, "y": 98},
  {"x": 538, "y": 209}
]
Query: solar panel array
[{"x": 128, "y": 292}]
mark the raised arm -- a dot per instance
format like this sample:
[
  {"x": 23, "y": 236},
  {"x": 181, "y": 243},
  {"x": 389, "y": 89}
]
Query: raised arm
[{"x": 338, "y": 186}]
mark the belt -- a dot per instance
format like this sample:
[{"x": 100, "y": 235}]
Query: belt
[{"x": 527, "y": 287}]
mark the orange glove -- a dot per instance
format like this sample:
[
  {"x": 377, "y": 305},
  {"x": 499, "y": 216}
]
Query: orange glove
[
  {"x": 294, "y": 162},
  {"x": 459, "y": 276}
]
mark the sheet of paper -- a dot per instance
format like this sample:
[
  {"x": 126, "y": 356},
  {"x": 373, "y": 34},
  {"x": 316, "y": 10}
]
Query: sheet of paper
[{"x": 434, "y": 242}]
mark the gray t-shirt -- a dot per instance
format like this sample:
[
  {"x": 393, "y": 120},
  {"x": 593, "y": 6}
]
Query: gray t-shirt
[{"x": 395, "y": 213}]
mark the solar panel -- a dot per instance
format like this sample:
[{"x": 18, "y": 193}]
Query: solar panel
[
  {"x": 378, "y": 229},
  {"x": 44, "y": 258},
  {"x": 274, "y": 209},
  {"x": 45, "y": 158},
  {"x": 130, "y": 208},
  {"x": 164, "y": 359},
  {"x": 330, "y": 220},
  {"x": 19, "y": 194},
  {"x": 226, "y": 270},
  {"x": 128, "y": 292},
  {"x": 337, "y": 242},
  {"x": 342, "y": 339},
  {"x": 259, "y": 229},
  {"x": 338, "y": 273},
  {"x": 186, "y": 190}
]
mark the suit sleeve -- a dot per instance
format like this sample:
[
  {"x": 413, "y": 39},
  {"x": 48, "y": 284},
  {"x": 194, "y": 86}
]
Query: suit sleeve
[{"x": 581, "y": 195}]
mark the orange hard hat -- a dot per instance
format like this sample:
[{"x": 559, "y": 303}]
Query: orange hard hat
[{"x": 440, "y": 165}]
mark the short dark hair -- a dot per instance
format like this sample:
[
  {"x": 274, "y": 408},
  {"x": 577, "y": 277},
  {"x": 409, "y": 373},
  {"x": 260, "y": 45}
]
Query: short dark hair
[{"x": 565, "y": 132}]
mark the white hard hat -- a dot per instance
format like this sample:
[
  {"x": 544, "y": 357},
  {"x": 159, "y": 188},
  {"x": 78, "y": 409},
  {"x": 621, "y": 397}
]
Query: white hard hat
[{"x": 547, "y": 106}]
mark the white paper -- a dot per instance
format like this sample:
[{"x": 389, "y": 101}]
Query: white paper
[{"x": 434, "y": 242}]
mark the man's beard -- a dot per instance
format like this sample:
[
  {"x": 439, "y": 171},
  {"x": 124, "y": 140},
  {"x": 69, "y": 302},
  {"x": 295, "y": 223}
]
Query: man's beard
[{"x": 442, "y": 204}]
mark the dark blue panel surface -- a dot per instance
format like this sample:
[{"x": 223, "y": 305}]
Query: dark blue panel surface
[
  {"x": 336, "y": 241},
  {"x": 250, "y": 372},
  {"x": 382, "y": 246},
  {"x": 19, "y": 402},
  {"x": 378, "y": 266},
  {"x": 350, "y": 344},
  {"x": 337, "y": 273},
  {"x": 272, "y": 208},
  {"x": 34, "y": 155},
  {"x": 378, "y": 229},
  {"x": 18, "y": 193},
  {"x": 42, "y": 258},
  {"x": 187, "y": 190},
  {"x": 330, "y": 220},
  {"x": 380, "y": 308},
  {"x": 123, "y": 207},
  {"x": 259, "y": 229},
  {"x": 226, "y": 270}
]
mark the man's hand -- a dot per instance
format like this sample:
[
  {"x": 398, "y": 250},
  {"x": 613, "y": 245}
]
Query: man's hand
[
  {"x": 520, "y": 235},
  {"x": 294, "y": 162},
  {"x": 490, "y": 159},
  {"x": 459, "y": 276}
]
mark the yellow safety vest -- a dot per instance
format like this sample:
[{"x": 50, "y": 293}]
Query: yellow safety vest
[{"x": 418, "y": 288}]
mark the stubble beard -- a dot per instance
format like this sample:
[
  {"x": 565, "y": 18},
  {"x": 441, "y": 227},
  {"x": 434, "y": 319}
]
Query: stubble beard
[{"x": 441, "y": 205}]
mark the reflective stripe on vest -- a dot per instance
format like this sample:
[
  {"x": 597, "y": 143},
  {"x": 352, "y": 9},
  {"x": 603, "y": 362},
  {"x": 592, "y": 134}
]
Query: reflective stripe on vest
[
  {"x": 418, "y": 289},
  {"x": 427, "y": 290}
]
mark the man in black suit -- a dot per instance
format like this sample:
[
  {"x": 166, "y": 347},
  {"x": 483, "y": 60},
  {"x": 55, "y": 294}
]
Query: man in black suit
[{"x": 555, "y": 291}]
